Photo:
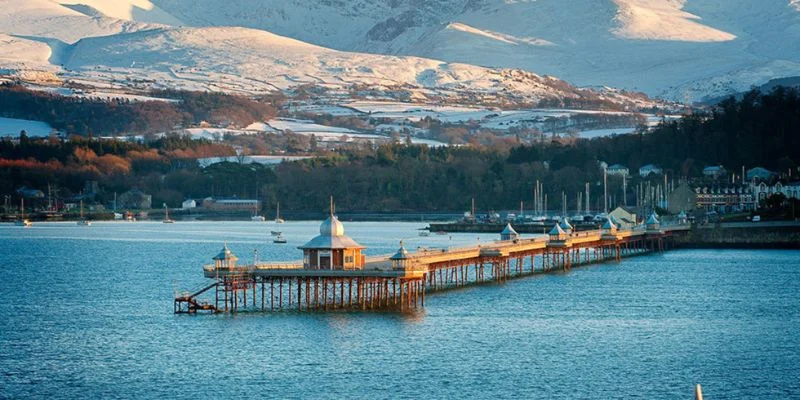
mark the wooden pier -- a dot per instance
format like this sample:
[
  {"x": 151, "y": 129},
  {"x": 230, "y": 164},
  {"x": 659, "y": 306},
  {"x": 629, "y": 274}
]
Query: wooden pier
[{"x": 401, "y": 281}]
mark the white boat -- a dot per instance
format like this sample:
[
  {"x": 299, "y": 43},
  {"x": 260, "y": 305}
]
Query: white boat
[
  {"x": 278, "y": 219},
  {"x": 275, "y": 233},
  {"x": 83, "y": 221},
  {"x": 22, "y": 220},
  {"x": 424, "y": 233},
  {"x": 258, "y": 218},
  {"x": 167, "y": 220},
  {"x": 279, "y": 239}
]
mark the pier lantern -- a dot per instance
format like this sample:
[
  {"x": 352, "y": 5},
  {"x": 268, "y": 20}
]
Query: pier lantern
[
  {"x": 401, "y": 259},
  {"x": 509, "y": 233},
  {"x": 652, "y": 223},
  {"x": 332, "y": 249},
  {"x": 565, "y": 225},
  {"x": 557, "y": 233},
  {"x": 225, "y": 259},
  {"x": 609, "y": 226}
]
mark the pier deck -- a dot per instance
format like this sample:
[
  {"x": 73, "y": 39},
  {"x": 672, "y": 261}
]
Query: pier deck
[{"x": 383, "y": 283}]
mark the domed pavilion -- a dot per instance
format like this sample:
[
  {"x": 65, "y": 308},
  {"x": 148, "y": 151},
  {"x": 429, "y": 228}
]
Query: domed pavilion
[{"x": 332, "y": 249}]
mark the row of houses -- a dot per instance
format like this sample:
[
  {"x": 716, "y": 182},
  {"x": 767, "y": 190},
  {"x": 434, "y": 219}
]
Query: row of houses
[
  {"x": 711, "y": 171},
  {"x": 728, "y": 198}
]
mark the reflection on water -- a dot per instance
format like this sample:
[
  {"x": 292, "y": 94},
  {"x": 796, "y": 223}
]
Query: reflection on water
[{"x": 87, "y": 312}]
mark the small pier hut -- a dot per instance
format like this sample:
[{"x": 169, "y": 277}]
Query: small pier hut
[
  {"x": 557, "y": 233},
  {"x": 509, "y": 233},
  {"x": 401, "y": 259},
  {"x": 332, "y": 249},
  {"x": 653, "y": 223},
  {"x": 225, "y": 259},
  {"x": 565, "y": 225}
]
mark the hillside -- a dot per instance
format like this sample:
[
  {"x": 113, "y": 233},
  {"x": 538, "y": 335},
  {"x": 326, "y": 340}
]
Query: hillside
[
  {"x": 128, "y": 45},
  {"x": 679, "y": 49}
]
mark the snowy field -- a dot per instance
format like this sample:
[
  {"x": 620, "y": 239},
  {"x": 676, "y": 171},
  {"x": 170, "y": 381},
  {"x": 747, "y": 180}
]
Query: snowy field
[
  {"x": 263, "y": 160},
  {"x": 12, "y": 127}
]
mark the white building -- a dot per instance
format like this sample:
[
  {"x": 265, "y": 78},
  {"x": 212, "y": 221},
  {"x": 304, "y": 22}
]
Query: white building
[
  {"x": 649, "y": 169},
  {"x": 617, "y": 169},
  {"x": 187, "y": 204}
]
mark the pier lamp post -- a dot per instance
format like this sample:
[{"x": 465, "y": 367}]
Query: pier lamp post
[{"x": 400, "y": 260}]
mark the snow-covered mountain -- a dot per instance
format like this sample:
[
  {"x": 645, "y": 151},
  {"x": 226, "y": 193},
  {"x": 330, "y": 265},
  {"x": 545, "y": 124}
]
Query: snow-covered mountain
[
  {"x": 681, "y": 49},
  {"x": 678, "y": 49},
  {"x": 88, "y": 43}
]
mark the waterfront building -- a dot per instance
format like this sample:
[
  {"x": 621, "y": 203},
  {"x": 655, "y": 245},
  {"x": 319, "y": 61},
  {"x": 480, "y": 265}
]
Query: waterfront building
[
  {"x": 682, "y": 198},
  {"x": 725, "y": 199},
  {"x": 714, "y": 171},
  {"x": 649, "y": 169},
  {"x": 617, "y": 169},
  {"x": 623, "y": 217},
  {"x": 759, "y": 174},
  {"x": 187, "y": 204},
  {"x": 231, "y": 204},
  {"x": 332, "y": 249}
]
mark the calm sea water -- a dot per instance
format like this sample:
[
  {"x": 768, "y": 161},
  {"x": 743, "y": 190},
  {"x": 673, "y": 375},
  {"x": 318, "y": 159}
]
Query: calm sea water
[{"x": 87, "y": 313}]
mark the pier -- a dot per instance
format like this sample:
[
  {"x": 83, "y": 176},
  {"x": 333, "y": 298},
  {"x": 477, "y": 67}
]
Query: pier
[{"x": 334, "y": 275}]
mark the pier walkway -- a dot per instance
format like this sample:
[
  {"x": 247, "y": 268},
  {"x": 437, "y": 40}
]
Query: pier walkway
[{"x": 401, "y": 281}]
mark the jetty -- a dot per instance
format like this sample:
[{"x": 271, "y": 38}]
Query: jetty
[{"x": 335, "y": 275}]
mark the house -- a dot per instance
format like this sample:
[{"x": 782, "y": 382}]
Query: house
[
  {"x": 187, "y": 204},
  {"x": 759, "y": 174},
  {"x": 714, "y": 171},
  {"x": 649, "y": 169},
  {"x": 682, "y": 198},
  {"x": 724, "y": 199},
  {"x": 135, "y": 199},
  {"x": 231, "y": 204},
  {"x": 617, "y": 169},
  {"x": 624, "y": 217},
  {"x": 763, "y": 190}
]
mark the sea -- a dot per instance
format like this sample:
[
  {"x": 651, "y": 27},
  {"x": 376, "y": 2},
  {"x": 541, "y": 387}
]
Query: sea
[{"x": 87, "y": 312}]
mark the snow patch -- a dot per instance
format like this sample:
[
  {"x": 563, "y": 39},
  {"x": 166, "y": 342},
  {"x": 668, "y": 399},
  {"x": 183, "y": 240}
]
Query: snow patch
[
  {"x": 500, "y": 37},
  {"x": 663, "y": 20},
  {"x": 12, "y": 127}
]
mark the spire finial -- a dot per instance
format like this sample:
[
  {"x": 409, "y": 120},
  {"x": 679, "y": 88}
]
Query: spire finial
[{"x": 331, "y": 206}]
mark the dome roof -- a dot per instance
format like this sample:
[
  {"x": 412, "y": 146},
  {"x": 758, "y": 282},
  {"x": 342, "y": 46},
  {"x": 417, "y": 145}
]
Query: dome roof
[
  {"x": 653, "y": 219},
  {"x": 225, "y": 254},
  {"x": 331, "y": 227},
  {"x": 609, "y": 224},
  {"x": 402, "y": 253},
  {"x": 565, "y": 225}
]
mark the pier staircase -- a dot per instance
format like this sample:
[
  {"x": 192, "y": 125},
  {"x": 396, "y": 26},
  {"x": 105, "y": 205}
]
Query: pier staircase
[{"x": 188, "y": 303}]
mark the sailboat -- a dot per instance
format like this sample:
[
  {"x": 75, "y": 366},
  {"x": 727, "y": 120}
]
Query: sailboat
[
  {"x": 279, "y": 239},
  {"x": 166, "y": 215},
  {"x": 278, "y": 219},
  {"x": 256, "y": 217},
  {"x": 83, "y": 221},
  {"x": 22, "y": 221}
]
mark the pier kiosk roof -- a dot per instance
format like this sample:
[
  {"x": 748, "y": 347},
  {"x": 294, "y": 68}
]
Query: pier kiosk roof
[
  {"x": 225, "y": 258},
  {"x": 332, "y": 249},
  {"x": 508, "y": 233}
]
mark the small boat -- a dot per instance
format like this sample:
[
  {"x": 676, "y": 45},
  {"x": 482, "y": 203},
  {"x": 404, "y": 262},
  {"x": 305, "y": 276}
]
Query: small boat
[
  {"x": 279, "y": 239},
  {"x": 424, "y": 233},
  {"x": 167, "y": 220},
  {"x": 278, "y": 219},
  {"x": 275, "y": 233},
  {"x": 24, "y": 222},
  {"x": 83, "y": 221},
  {"x": 257, "y": 218}
]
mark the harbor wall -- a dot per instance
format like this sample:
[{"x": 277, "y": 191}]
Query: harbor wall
[{"x": 753, "y": 237}]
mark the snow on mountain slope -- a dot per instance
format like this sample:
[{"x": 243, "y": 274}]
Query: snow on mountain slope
[
  {"x": 49, "y": 20},
  {"x": 663, "y": 20},
  {"x": 249, "y": 60},
  {"x": 651, "y": 45},
  {"x": 131, "y": 10}
]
